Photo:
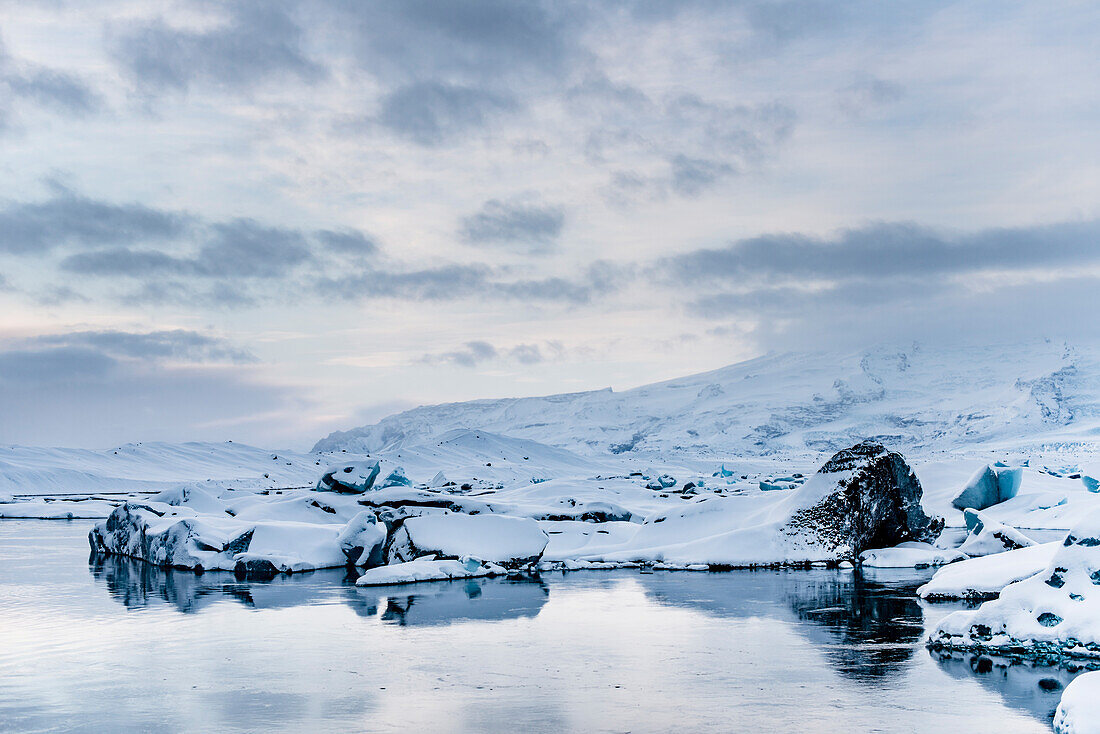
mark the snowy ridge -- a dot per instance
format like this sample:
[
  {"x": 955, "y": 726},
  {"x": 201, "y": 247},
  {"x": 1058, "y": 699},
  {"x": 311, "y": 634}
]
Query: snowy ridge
[
  {"x": 1037, "y": 394},
  {"x": 150, "y": 467}
]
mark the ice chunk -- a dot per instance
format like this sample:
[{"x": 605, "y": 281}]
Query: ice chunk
[
  {"x": 909, "y": 555},
  {"x": 987, "y": 536},
  {"x": 427, "y": 568},
  {"x": 988, "y": 487},
  {"x": 509, "y": 541},
  {"x": 359, "y": 477}
]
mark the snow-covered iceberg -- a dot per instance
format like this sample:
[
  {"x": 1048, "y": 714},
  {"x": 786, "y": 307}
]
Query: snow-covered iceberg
[
  {"x": 1051, "y": 615},
  {"x": 204, "y": 542}
]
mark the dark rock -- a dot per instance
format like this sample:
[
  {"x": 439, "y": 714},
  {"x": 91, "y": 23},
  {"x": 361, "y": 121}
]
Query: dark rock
[{"x": 876, "y": 504}]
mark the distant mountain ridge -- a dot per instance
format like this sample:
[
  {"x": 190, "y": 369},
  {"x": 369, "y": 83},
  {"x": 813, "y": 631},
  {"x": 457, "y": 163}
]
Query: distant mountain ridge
[{"x": 915, "y": 398}]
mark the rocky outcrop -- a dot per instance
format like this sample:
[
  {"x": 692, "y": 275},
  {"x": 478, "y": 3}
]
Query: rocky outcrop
[{"x": 875, "y": 502}]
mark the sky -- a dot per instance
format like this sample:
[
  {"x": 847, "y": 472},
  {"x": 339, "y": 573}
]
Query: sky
[{"x": 264, "y": 221}]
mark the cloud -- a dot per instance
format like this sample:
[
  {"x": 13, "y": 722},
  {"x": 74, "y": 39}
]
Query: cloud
[
  {"x": 470, "y": 355},
  {"x": 868, "y": 94},
  {"x": 884, "y": 280},
  {"x": 257, "y": 42},
  {"x": 475, "y": 353},
  {"x": 348, "y": 242},
  {"x": 177, "y": 344},
  {"x": 98, "y": 388},
  {"x": 692, "y": 176},
  {"x": 70, "y": 219},
  {"x": 43, "y": 87},
  {"x": 890, "y": 250},
  {"x": 61, "y": 364},
  {"x": 431, "y": 113},
  {"x": 479, "y": 41},
  {"x": 514, "y": 222}
]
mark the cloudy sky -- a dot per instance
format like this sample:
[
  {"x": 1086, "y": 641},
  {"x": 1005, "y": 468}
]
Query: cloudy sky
[{"x": 265, "y": 221}]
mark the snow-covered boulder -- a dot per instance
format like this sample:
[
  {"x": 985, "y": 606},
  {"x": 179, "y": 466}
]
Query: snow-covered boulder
[
  {"x": 990, "y": 486},
  {"x": 988, "y": 536},
  {"x": 1053, "y": 614},
  {"x": 909, "y": 555},
  {"x": 863, "y": 497},
  {"x": 361, "y": 476},
  {"x": 511, "y": 542},
  {"x": 1079, "y": 710},
  {"x": 977, "y": 579}
]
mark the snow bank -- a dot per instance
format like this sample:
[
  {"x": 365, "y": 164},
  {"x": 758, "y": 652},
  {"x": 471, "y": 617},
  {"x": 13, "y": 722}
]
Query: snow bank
[
  {"x": 1079, "y": 710},
  {"x": 1052, "y": 614},
  {"x": 984, "y": 577}
]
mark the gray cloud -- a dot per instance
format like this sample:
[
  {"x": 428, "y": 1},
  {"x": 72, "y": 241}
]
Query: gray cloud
[
  {"x": 475, "y": 353},
  {"x": 515, "y": 222},
  {"x": 692, "y": 176},
  {"x": 348, "y": 242},
  {"x": 470, "y": 355},
  {"x": 69, "y": 219},
  {"x": 61, "y": 364},
  {"x": 480, "y": 41},
  {"x": 259, "y": 42},
  {"x": 44, "y": 87},
  {"x": 176, "y": 344},
  {"x": 431, "y": 113},
  {"x": 98, "y": 388},
  {"x": 867, "y": 94},
  {"x": 890, "y": 250},
  {"x": 238, "y": 249}
]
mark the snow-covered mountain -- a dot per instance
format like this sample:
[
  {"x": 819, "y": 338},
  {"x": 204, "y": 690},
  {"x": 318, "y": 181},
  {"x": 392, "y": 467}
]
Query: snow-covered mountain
[{"x": 1036, "y": 395}]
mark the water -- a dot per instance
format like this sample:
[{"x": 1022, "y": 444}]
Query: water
[{"x": 120, "y": 646}]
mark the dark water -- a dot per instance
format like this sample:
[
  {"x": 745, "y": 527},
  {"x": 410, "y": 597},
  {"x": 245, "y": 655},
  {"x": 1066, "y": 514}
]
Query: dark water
[{"x": 119, "y": 646}]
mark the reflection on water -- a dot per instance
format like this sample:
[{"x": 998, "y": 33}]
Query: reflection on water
[
  {"x": 137, "y": 585},
  {"x": 119, "y": 645},
  {"x": 1034, "y": 689}
]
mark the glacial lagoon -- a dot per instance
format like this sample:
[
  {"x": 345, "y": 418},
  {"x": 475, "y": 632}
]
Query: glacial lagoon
[{"x": 115, "y": 644}]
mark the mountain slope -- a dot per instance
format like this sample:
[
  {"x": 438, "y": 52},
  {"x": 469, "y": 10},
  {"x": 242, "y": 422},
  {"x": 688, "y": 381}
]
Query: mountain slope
[{"x": 1039, "y": 393}]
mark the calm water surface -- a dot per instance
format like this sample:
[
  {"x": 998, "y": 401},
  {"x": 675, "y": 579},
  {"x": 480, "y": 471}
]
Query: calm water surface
[{"x": 120, "y": 646}]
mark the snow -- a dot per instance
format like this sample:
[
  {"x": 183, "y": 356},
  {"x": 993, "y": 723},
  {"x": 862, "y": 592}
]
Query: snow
[
  {"x": 427, "y": 568},
  {"x": 987, "y": 536},
  {"x": 509, "y": 541},
  {"x": 910, "y": 554},
  {"x": 985, "y": 576},
  {"x": 1079, "y": 710},
  {"x": 1055, "y": 612}
]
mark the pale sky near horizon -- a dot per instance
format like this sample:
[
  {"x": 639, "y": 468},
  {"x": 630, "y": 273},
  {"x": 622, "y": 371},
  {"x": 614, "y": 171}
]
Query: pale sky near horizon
[{"x": 264, "y": 221}]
